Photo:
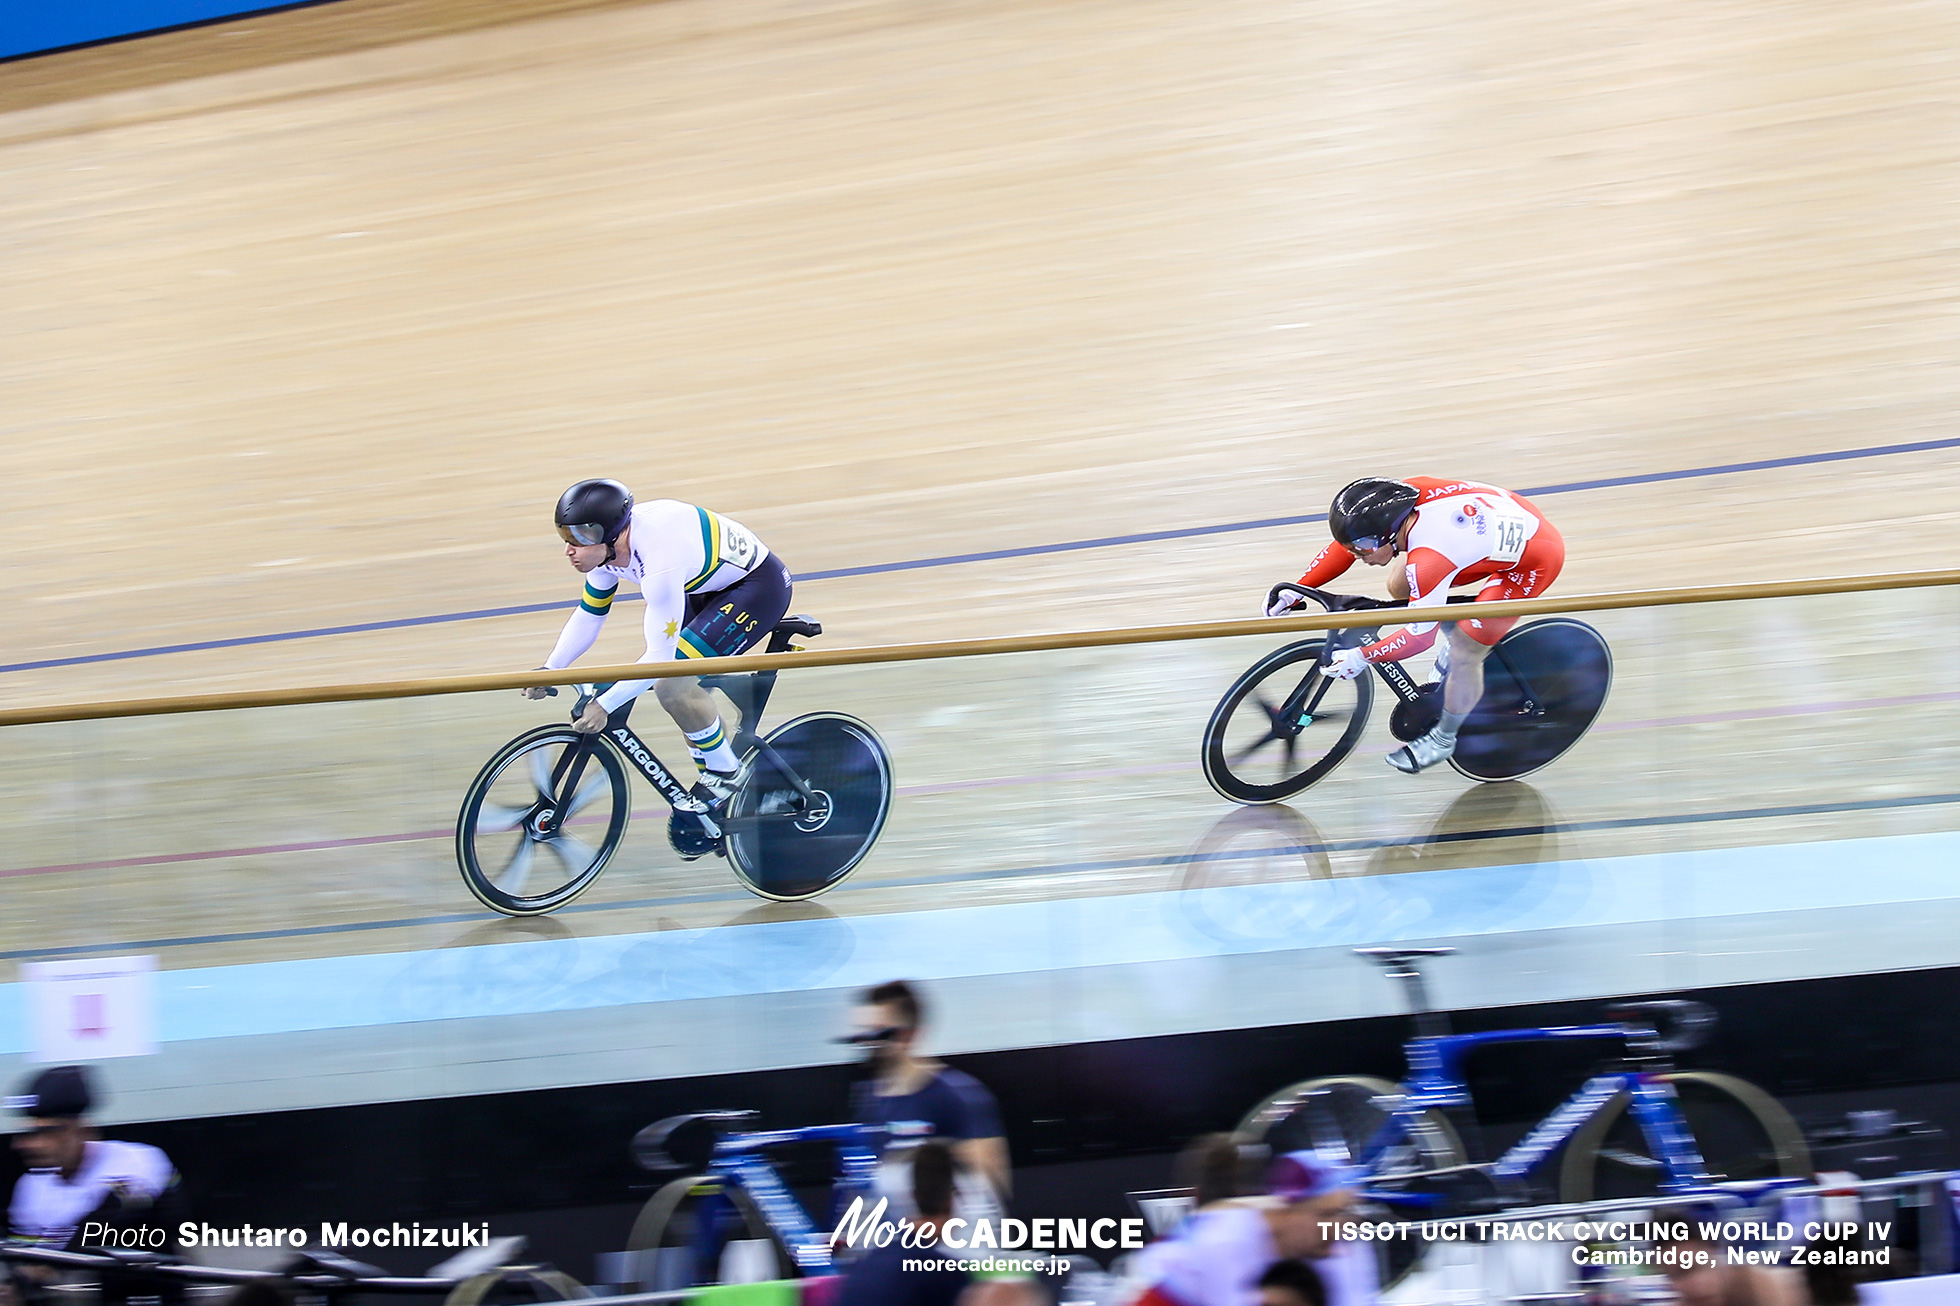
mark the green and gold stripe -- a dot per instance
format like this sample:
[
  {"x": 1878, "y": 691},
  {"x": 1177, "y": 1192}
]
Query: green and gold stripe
[
  {"x": 597, "y": 601},
  {"x": 689, "y": 645},
  {"x": 710, "y": 549}
]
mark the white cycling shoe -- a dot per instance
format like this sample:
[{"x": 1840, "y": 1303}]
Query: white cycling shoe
[
  {"x": 1422, "y": 753},
  {"x": 688, "y": 832},
  {"x": 715, "y": 788}
]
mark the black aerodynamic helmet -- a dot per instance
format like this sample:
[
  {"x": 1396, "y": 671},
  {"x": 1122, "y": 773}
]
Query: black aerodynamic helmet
[
  {"x": 1367, "y": 513},
  {"x": 593, "y": 512}
]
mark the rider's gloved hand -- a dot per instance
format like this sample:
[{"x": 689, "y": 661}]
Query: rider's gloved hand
[
  {"x": 592, "y": 720},
  {"x": 1346, "y": 665},
  {"x": 1283, "y": 602},
  {"x": 536, "y": 691}
]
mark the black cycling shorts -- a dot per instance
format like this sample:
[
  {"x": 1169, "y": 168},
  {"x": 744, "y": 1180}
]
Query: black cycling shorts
[{"x": 735, "y": 620}]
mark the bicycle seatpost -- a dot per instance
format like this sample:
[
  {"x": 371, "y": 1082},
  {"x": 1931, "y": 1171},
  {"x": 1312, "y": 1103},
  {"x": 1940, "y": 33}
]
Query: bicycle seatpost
[{"x": 1401, "y": 965}]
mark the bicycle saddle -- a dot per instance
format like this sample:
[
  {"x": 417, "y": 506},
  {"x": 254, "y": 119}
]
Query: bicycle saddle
[
  {"x": 790, "y": 628},
  {"x": 685, "y": 1142},
  {"x": 1690, "y": 1023}
]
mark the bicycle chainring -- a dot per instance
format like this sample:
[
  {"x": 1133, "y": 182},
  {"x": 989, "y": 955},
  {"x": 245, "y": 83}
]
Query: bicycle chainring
[
  {"x": 689, "y": 837},
  {"x": 1411, "y": 721}
]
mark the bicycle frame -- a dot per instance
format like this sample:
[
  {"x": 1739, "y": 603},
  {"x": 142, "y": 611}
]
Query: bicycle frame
[
  {"x": 642, "y": 757},
  {"x": 739, "y": 1159},
  {"x": 1436, "y": 1082},
  {"x": 1399, "y": 681},
  {"x": 750, "y": 694}
]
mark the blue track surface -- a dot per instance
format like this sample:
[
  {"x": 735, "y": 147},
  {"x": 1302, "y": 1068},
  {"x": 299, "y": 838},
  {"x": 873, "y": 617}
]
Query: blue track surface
[
  {"x": 1685, "y": 891},
  {"x": 36, "y": 26}
]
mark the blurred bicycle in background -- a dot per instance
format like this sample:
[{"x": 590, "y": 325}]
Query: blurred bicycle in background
[
  {"x": 1636, "y": 1128},
  {"x": 730, "y": 1191}
]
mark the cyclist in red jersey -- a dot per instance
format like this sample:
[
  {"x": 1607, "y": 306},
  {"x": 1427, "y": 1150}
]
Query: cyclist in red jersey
[{"x": 1452, "y": 534}]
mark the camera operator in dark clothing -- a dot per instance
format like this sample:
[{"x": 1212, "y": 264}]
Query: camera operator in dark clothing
[{"x": 907, "y": 1087}]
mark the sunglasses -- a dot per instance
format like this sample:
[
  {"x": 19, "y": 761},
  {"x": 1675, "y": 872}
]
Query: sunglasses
[
  {"x": 586, "y": 533},
  {"x": 885, "y": 1035}
]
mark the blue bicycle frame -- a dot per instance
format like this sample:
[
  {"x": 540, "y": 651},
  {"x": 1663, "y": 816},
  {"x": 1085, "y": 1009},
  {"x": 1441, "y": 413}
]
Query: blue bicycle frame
[
  {"x": 739, "y": 1158},
  {"x": 1436, "y": 1082}
]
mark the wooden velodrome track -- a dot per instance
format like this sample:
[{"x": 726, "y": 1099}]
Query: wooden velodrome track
[{"x": 308, "y": 317}]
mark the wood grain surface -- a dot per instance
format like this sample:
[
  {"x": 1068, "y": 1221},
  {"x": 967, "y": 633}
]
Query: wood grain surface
[{"x": 308, "y": 318}]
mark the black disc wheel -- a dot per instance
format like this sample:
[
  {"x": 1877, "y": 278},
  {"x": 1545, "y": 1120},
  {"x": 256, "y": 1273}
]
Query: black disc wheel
[
  {"x": 679, "y": 1252},
  {"x": 787, "y": 840},
  {"x": 1544, "y": 684},
  {"x": 541, "y": 820},
  {"x": 1741, "y": 1132},
  {"x": 1343, "y": 1117},
  {"x": 1283, "y": 726}
]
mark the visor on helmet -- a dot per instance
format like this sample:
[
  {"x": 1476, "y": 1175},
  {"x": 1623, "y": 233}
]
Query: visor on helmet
[
  {"x": 583, "y": 533},
  {"x": 1369, "y": 543}
]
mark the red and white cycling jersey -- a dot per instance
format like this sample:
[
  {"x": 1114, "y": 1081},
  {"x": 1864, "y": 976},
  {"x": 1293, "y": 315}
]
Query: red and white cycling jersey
[{"x": 1465, "y": 533}]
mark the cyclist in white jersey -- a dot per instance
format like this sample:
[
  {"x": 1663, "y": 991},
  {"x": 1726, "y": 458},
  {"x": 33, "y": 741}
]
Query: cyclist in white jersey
[
  {"x": 712, "y": 589},
  {"x": 77, "y": 1188},
  {"x": 1217, "y": 1255}
]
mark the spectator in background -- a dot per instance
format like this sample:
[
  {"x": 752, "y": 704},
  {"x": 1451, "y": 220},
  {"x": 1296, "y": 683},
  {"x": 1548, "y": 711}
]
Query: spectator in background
[
  {"x": 906, "y": 1086},
  {"x": 1833, "y": 1284},
  {"x": 880, "y": 1276},
  {"x": 1718, "y": 1283},
  {"x": 1291, "y": 1283},
  {"x": 1216, "y": 1167},
  {"x": 75, "y": 1179},
  {"x": 1218, "y": 1256},
  {"x": 77, "y": 1184},
  {"x": 1211, "y": 1168}
]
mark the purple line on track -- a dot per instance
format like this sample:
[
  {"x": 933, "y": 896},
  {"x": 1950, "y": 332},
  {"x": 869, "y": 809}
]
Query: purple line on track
[
  {"x": 993, "y": 555},
  {"x": 220, "y": 854}
]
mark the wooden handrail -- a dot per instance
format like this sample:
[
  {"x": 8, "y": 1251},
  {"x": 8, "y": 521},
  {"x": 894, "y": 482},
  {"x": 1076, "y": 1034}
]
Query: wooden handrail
[{"x": 961, "y": 648}]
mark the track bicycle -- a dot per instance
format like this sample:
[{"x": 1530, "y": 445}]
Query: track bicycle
[
  {"x": 1638, "y": 1128},
  {"x": 1284, "y": 725},
  {"x": 730, "y": 1190},
  {"x": 549, "y": 809}
]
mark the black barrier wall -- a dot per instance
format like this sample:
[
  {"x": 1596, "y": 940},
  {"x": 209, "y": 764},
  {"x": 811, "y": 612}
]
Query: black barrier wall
[{"x": 1086, "y": 1122}]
